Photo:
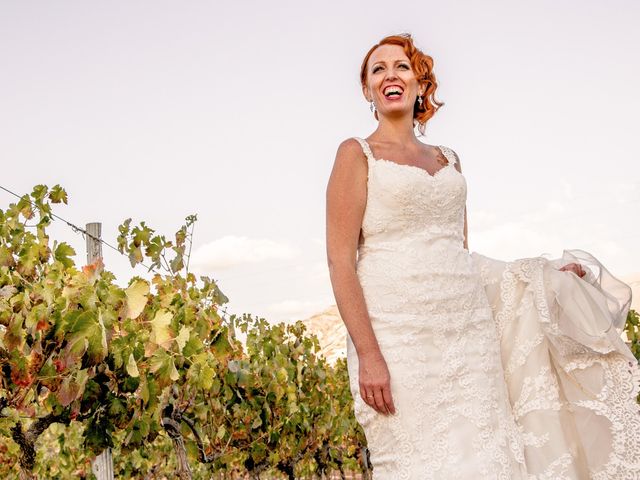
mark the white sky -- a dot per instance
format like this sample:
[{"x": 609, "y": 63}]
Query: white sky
[{"x": 234, "y": 110}]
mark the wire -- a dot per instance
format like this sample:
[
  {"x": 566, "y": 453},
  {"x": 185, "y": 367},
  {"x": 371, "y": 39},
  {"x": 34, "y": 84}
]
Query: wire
[
  {"x": 73, "y": 227},
  {"x": 82, "y": 231}
]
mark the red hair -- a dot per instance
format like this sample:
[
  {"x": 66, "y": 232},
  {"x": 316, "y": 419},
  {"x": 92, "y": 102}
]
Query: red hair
[{"x": 422, "y": 66}]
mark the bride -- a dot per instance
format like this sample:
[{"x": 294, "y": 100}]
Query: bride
[{"x": 462, "y": 366}]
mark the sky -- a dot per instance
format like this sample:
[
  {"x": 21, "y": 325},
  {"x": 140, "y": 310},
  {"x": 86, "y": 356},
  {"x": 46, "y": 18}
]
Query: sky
[{"x": 156, "y": 110}]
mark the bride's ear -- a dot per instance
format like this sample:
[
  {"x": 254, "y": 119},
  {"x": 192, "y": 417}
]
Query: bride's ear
[{"x": 365, "y": 92}]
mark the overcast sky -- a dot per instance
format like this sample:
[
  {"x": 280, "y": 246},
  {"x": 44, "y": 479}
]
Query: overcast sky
[{"x": 234, "y": 110}]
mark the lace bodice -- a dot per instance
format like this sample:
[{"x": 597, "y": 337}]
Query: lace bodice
[{"x": 424, "y": 206}]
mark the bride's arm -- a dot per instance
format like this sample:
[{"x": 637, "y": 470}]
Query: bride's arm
[{"x": 346, "y": 202}]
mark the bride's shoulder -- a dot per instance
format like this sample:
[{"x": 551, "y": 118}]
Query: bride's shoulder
[
  {"x": 351, "y": 151},
  {"x": 352, "y": 147},
  {"x": 350, "y": 144}
]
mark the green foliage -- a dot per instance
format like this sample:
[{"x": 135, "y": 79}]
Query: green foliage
[
  {"x": 632, "y": 330},
  {"x": 153, "y": 366}
]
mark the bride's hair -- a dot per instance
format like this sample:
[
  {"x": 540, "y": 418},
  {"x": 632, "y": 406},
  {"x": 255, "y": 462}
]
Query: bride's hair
[{"x": 422, "y": 65}]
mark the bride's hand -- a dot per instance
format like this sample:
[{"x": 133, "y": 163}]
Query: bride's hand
[
  {"x": 573, "y": 267},
  {"x": 375, "y": 383}
]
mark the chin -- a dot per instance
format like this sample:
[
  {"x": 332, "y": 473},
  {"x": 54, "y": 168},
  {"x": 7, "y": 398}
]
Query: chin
[{"x": 397, "y": 111}]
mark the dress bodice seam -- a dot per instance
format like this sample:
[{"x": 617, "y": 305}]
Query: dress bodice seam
[
  {"x": 435, "y": 174},
  {"x": 372, "y": 160}
]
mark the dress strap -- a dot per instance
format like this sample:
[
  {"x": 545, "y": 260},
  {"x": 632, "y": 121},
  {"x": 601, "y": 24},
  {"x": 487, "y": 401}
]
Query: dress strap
[
  {"x": 365, "y": 148},
  {"x": 449, "y": 154}
]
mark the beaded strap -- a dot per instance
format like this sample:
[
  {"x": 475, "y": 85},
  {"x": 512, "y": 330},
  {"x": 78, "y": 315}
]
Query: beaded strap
[
  {"x": 365, "y": 148},
  {"x": 449, "y": 154}
]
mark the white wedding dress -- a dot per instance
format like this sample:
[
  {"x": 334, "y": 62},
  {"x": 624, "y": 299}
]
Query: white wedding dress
[{"x": 497, "y": 371}]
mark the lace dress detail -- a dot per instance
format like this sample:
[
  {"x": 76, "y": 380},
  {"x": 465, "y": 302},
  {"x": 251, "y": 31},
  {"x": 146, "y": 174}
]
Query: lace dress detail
[
  {"x": 572, "y": 380},
  {"x": 470, "y": 405},
  {"x": 435, "y": 328}
]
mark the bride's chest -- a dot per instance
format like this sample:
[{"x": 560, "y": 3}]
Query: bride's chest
[{"x": 408, "y": 188}]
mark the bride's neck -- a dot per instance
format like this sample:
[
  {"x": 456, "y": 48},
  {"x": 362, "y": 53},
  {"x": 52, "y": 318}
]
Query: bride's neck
[{"x": 395, "y": 130}]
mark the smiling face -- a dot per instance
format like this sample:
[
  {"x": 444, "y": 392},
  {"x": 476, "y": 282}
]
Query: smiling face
[{"x": 391, "y": 82}]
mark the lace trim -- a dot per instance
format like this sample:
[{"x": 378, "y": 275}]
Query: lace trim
[{"x": 575, "y": 383}]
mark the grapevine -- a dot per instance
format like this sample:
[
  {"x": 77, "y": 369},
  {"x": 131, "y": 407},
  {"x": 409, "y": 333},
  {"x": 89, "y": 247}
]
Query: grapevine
[{"x": 153, "y": 367}]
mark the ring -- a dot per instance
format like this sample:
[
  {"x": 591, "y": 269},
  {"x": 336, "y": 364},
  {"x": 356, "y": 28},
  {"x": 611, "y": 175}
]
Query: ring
[{"x": 369, "y": 396}]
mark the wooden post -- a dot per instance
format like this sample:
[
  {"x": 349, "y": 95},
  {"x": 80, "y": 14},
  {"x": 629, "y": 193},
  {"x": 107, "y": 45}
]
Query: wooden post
[
  {"x": 94, "y": 247},
  {"x": 102, "y": 466}
]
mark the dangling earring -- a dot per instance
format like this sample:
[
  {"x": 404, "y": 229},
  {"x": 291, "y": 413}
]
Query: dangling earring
[
  {"x": 420, "y": 100},
  {"x": 372, "y": 107}
]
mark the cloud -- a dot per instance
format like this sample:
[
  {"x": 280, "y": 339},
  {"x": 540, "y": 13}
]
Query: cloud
[
  {"x": 524, "y": 223},
  {"x": 556, "y": 226},
  {"x": 320, "y": 271},
  {"x": 291, "y": 310},
  {"x": 483, "y": 219},
  {"x": 231, "y": 251},
  {"x": 512, "y": 240}
]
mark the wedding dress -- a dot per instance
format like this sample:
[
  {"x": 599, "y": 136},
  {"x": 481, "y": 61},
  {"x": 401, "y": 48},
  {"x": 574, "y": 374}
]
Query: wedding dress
[{"x": 499, "y": 370}]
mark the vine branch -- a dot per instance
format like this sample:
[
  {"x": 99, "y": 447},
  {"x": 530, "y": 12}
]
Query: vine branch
[{"x": 26, "y": 440}]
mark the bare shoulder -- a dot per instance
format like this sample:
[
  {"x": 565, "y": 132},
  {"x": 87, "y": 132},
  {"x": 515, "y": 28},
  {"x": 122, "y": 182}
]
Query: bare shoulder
[
  {"x": 350, "y": 148},
  {"x": 350, "y": 167},
  {"x": 350, "y": 155}
]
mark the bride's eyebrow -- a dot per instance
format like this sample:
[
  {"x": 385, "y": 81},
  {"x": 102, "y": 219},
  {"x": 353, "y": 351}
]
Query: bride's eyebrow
[{"x": 395, "y": 61}]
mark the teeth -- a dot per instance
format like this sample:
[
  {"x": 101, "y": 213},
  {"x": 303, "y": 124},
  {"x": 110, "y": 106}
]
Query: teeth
[{"x": 391, "y": 90}]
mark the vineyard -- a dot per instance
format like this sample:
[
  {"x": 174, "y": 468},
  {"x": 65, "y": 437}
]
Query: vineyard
[{"x": 155, "y": 371}]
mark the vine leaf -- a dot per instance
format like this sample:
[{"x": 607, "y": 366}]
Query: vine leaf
[
  {"x": 62, "y": 253},
  {"x": 14, "y": 335},
  {"x": 160, "y": 331},
  {"x": 72, "y": 387},
  {"x": 164, "y": 367},
  {"x": 58, "y": 194},
  {"x": 136, "y": 298},
  {"x": 132, "y": 367},
  {"x": 183, "y": 336},
  {"x": 86, "y": 333}
]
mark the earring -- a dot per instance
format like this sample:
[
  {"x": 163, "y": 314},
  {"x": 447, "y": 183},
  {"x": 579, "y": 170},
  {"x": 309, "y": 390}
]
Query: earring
[
  {"x": 372, "y": 107},
  {"x": 420, "y": 100}
]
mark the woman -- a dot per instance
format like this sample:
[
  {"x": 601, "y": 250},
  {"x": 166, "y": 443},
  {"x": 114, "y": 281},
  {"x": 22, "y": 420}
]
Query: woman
[{"x": 458, "y": 369}]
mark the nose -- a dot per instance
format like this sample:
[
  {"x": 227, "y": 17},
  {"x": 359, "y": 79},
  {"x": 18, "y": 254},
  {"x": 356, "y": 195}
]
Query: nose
[{"x": 391, "y": 74}]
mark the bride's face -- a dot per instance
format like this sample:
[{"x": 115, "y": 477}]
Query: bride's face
[{"x": 391, "y": 82}]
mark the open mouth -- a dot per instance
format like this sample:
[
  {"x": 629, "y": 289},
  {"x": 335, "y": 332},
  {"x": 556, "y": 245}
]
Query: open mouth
[{"x": 393, "y": 91}]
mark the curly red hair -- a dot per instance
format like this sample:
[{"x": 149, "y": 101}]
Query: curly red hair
[{"x": 422, "y": 65}]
